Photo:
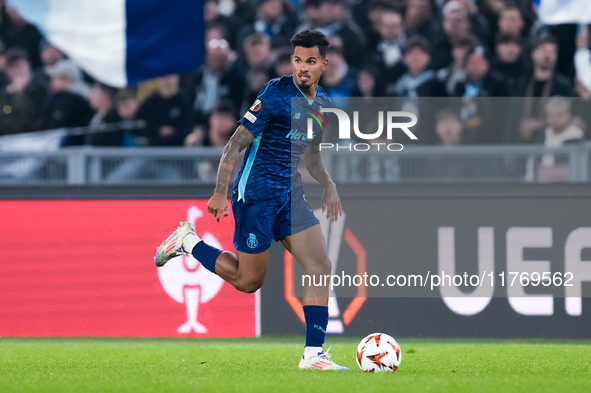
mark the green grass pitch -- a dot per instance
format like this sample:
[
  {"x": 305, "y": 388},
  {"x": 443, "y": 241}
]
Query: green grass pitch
[{"x": 270, "y": 365}]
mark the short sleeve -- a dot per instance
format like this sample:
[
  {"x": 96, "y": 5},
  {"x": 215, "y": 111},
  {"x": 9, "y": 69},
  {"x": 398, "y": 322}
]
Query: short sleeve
[{"x": 261, "y": 112}]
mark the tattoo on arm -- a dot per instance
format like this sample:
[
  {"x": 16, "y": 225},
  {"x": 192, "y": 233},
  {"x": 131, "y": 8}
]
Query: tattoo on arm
[
  {"x": 238, "y": 142},
  {"x": 315, "y": 166}
]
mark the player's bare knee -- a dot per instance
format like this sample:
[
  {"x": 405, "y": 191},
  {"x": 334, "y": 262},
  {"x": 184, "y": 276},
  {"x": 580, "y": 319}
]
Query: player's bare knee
[
  {"x": 319, "y": 267},
  {"x": 248, "y": 286}
]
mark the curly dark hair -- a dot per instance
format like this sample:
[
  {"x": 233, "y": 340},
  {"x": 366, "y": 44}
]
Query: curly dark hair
[{"x": 310, "y": 39}]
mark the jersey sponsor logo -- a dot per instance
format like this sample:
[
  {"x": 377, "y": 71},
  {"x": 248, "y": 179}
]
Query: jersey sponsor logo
[
  {"x": 297, "y": 116},
  {"x": 257, "y": 106},
  {"x": 252, "y": 241},
  {"x": 250, "y": 117},
  {"x": 295, "y": 135}
]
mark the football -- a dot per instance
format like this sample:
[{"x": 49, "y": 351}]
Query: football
[{"x": 378, "y": 352}]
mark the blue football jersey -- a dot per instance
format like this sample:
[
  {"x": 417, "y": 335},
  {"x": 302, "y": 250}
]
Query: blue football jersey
[{"x": 270, "y": 162}]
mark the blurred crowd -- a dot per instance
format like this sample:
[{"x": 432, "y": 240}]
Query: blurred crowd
[{"x": 408, "y": 49}]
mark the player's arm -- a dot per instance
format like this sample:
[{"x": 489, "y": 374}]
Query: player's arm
[
  {"x": 218, "y": 203},
  {"x": 331, "y": 203}
]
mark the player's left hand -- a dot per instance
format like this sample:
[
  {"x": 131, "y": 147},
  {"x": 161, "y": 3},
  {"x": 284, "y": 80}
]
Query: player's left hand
[
  {"x": 331, "y": 203},
  {"x": 218, "y": 206}
]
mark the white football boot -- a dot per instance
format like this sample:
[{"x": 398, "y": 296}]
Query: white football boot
[
  {"x": 181, "y": 242},
  {"x": 322, "y": 361}
]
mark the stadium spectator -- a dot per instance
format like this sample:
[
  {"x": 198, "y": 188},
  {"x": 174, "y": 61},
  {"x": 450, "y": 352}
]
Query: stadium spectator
[
  {"x": 282, "y": 64},
  {"x": 50, "y": 54},
  {"x": 218, "y": 32},
  {"x": 275, "y": 18},
  {"x": 102, "y": 100},
  {"x": 583, "y": 59},
  {"x": 559, "y": 130},
  {"x": 491, "y": 9},
  {"x": 456, "y": 24},
  {"x": 450, "y": 131},
  {"x": 368, "y": 18},
  {"x": 478, "y": 23},
  {"x": 565, "y": 36},
  {"x": 126, "y": 105},
  {"x": 23, "y": 100},
  {"x": 481, "y": 115},
  {"x": 559, "y": 120},
  {"x": 544, "y": 56},
  {"x": 257, "y": 51},
  {"x": 480, "y": 80},
  {"x": 365, "y": 84},
  {"x": 339, "y": 79},
  {"x": 131, "y": 168},
  {"x": 198, "y": 134},
  {"x": 219, "y": 78},
  {"x": 543, "y": 82},
  {"x": 419, "y": 19},
  {"x": 387, "y": 25},
  {"x": 386, "y": 55},
  {"x": 16, "y": 32},
  {"x": 222, "y": 123},
  {"x": 509, "y": 63},
  {"x": 511, "y": 22},
  {"x": 255, "y": 82},
  {"x": 336, "y": 20},
  {"x": 419, "y": 81},
  {"x": 167, "y": 115},
  {"x": 455, "y": 73},
  {"x": 312, "y": 17},
  {"x": 449, "y": 127},
  {"x": 67, "y": 107},
  {"x": 218, "y": 130},
  {"x": 213, "y": 17}
]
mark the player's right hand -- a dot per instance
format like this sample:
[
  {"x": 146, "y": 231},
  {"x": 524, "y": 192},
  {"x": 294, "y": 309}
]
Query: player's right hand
[{"x": 218, "y": 206}]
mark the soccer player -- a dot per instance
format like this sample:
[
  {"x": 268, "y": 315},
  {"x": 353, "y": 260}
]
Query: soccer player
[{"x": 268, "y": 201}]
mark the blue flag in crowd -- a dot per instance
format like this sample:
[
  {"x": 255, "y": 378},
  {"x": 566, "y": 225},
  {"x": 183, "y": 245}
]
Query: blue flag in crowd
[
  {"x": 553, "y": 12},
  {"x": 122, "y": 42}
]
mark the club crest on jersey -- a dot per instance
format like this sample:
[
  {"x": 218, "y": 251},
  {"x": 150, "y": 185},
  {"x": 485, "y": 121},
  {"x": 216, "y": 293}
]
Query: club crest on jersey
[
  {"x": 257, "y": 106},
  {"x": 252, "y": 241}
]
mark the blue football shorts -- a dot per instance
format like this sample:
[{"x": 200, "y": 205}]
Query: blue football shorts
[{"x": 260, "y": 222}]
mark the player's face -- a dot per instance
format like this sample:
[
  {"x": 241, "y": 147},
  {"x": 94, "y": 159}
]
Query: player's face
[{"x": 307, "y": 65}]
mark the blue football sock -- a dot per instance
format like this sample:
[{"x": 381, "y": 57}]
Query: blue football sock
[
  {"x": 206, "y": 254},
  {"x": 316, "y": 322}
]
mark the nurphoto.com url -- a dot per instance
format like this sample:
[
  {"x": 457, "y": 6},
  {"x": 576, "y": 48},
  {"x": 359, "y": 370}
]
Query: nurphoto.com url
[{"x": 442, "y": 279}]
